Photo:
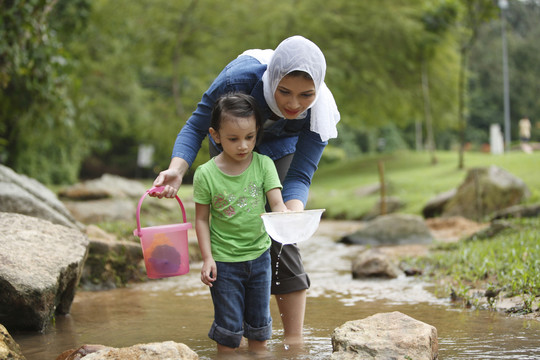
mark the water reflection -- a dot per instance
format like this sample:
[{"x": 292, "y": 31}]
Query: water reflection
[{"x": 180, "y": 309}]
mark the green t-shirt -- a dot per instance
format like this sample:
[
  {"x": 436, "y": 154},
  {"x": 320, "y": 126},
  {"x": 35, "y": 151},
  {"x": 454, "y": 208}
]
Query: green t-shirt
[{"x": 236, "y": 203}]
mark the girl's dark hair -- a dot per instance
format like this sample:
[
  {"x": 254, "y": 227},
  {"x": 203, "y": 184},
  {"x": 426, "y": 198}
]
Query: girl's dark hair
[{"x": 236, "y": 105}]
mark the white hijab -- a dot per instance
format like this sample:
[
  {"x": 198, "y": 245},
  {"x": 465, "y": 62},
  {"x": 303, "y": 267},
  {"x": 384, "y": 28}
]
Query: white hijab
[{"x": 299, "y": 53}]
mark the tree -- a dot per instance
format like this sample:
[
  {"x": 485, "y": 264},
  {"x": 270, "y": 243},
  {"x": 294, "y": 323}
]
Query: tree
[
  {"x": 473, "y": 14},
  {"x": 39, "y": 131},
  {"x": 132, "y": 72},
  {"x": 486, "y": 84},
  {"x": 437, "y": 19}
]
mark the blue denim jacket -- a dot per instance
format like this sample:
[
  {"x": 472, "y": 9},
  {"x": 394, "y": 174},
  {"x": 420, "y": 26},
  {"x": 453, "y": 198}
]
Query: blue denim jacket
[{"x": 281, "y": 138}]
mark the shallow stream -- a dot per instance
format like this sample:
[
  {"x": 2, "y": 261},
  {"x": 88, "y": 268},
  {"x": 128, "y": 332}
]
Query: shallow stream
[{"x": 180, "y": 309}]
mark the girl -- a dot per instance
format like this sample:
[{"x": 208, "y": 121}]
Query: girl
[
  {"x": 300, "y": 116},
  {"x": 232, "y": 188}
]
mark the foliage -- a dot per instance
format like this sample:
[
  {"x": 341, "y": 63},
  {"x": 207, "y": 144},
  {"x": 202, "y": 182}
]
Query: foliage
[
  {"x": 40, "y": 132},
  {"x": 486, "y": 82},
  {"x": 86, "y": 82},
  {"x": 437, "y": 19},
  {"x": 374, "y": 63},
  {"x": 473, "y": 15},
  {"x": 509, "y": 261}
]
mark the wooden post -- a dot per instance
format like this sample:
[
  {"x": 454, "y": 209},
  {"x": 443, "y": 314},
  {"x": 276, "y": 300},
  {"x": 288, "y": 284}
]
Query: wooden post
[{"x": 383, "y": 189}]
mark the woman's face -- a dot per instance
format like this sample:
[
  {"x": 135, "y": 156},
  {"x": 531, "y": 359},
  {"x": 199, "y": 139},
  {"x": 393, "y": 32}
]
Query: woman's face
[{"x": 294, "y": 94}]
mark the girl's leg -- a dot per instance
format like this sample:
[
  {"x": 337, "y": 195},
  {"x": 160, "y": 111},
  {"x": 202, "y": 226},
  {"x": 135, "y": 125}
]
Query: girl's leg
[
  {"x": 224, "y": 349},
  {"x": 257, "y": 318},
  {"x": 257, "y": 346},
  {"x": 228, "y": 299}
]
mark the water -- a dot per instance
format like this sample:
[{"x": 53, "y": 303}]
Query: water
[
  {"x": 180, "y": 309},
  {"x": 277, "y": 264}
]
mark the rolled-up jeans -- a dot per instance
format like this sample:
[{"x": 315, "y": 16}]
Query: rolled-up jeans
[{"x": 241, "y": 297}]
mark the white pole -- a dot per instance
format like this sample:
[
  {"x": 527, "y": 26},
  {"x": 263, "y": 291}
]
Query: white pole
[{"x": 503, "y": 4}]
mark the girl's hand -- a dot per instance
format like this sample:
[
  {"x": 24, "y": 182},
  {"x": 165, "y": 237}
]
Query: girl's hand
[{"x": 209, "y": 272}]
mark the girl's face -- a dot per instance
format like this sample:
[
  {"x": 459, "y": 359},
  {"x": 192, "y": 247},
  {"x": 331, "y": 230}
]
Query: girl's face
[
  {"x": 294, "y": 94},
  {"x": 237, "y": 136}
]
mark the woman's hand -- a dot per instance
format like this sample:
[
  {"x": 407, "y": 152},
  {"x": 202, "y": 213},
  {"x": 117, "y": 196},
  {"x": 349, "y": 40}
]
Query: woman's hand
[
  {"x": 295, "y": 205},
  {"x": 171, "y": 179}
]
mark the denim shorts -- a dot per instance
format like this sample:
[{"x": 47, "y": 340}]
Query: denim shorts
[
  {"x": 289, "y": 275},
  {"x": 241, "y": 297}
]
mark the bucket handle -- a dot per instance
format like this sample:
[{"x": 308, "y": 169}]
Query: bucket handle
[{"x": 151, "y": 191}]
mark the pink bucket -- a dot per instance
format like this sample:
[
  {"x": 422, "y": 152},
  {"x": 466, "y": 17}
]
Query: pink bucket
[{"x": 165, "y": 247}]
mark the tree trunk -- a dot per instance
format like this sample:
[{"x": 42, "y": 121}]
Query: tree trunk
[
  {"x": 383, "y": 188},
  {"x": 427, "y": 113},
  {"x": 418, "y": 134},
  {"x": 461, "y": 107}
]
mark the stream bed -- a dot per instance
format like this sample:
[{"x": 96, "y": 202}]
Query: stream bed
[{"x": 180, "y": 309}]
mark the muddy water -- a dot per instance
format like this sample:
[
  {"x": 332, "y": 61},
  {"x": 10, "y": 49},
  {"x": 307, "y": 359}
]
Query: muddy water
[{"x": 180, "y": 309}]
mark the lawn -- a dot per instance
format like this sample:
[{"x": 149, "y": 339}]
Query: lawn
[
  {"x": 410, "y": 177},
  {"x": 508, "y": 262}
]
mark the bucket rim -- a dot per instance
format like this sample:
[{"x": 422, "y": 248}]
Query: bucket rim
[{"x": 182, "y": 226}]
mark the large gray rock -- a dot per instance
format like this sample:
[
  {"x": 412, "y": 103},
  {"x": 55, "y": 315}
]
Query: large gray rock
[
  {"x": 518, "y": 211},
  {"x": 385, "y": 336},
  {"x": 435, "y": 206},
  {"x": 154, "y": 351},
  {"x": 374, "y": 263},
  {"x": 111, "y": 263},
  {"x": 94, "y": 211},
  {"x": 392, "y": 204},
  {"x": 393, "y": 229},
  {"x": 40, "y": 266},
  {"x": 107, "y": 186},
  {"x": 107, "y": 198},
  {"x": 23, "y": 195},
  {"x": 485, "y": 191},
  {"x": 82, "y": 351}
]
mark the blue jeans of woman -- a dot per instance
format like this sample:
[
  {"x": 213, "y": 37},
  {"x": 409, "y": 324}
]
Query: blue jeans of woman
[{"x": 241, "y": 296}]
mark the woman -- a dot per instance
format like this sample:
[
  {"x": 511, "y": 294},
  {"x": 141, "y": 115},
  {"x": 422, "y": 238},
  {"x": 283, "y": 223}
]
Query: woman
[{"x": 300, "y": 116}]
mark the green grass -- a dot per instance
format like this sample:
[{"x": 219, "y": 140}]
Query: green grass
[
  {"x": 409, "y": 176},
  {"x": 510, "y": 261}
]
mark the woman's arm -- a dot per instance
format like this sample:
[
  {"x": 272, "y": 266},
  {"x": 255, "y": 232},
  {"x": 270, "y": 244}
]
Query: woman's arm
[
  {"x": 309, "y": 149},
  {"x": 202, "y": 227},
  {"x": 189, "y": 139}
]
